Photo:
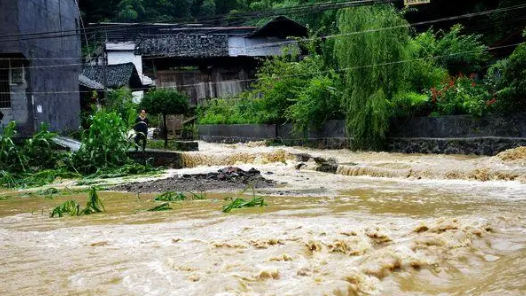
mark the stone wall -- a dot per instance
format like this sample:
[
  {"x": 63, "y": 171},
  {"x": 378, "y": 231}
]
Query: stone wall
[{"x": 463, "y": 134}]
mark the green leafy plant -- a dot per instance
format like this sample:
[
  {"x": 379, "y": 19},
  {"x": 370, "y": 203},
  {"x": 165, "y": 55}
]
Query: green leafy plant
[
  {"x": 452, "y": 50},
  {"x": 239, "y": 202},
  {"x": 163, "y": 207},
  {"x": 409, "y": 104},
  {"x": 170, "y": 196},
  {"x": 198, "y": 196},
  {"x": 104, "y": 144},
  {"x": 121, "y": 102},
  {"x": 94, "y": 204},
  {"x": 512, "y": 85},
  {"x": 462, "y": 95},
  {"x": 72, "y": 207},
  {"x": 316, "y": 103}
]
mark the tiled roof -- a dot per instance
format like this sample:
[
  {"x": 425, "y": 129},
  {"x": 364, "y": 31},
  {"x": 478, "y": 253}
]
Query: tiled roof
[
  {"x": 184, "y": 45},
  {"x": 116, "y": 75},
  {"x": 86, "y": 82}
]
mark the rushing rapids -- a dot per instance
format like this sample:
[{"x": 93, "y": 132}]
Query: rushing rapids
[{"x": 366, "y": 230}]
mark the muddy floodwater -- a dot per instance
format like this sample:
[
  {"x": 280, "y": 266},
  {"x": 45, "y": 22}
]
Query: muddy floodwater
[{"x": 425, "y": 233}]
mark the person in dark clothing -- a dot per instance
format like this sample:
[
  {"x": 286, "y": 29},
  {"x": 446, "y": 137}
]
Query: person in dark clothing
[{"x": 141, "y": 130}]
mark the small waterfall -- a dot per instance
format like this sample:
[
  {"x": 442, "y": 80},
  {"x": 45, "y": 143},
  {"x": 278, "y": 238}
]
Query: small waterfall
[{"x": 191, "y": 160}]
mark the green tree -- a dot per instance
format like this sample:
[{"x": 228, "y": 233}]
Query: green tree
[
  {"x": 130, "y": 10},
  {"x": 208, "y": 8},
  {"x": 373, "y": 73},
  {"x": 165, "y": 101}
]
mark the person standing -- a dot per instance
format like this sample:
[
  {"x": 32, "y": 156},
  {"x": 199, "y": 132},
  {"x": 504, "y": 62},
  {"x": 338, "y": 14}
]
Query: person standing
[{"x": 141, "y": 130}]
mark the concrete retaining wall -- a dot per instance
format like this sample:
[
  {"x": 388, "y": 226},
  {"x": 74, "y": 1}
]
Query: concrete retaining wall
[{"x": 462, "y": 134}]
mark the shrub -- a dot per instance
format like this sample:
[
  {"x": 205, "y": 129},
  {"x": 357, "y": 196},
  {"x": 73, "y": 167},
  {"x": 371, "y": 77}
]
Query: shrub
[
  {"x": 411, "y": 104},
  {"x": 231, "y": 111},
  {"x": 462, "y": 95},
  {"x": 316, "y": 102},
  {"x": 512, "y": 88}
]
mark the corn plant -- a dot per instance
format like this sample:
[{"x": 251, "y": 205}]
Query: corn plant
[
  {"x": 239, "y": 203},
  {"x": 94, "y": 204},
  {"x": 199, "y": 196},
  {"x": 171, "y": 196},
  {"x": 163, "y": 207},
  {"x": 70, "y": 207},
  {"x": 11, "y": 159},
  {"x": 104, "y": 144}
]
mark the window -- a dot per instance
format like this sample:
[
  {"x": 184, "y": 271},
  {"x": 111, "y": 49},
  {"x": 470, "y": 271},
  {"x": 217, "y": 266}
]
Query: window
[{"x": 5, "y": 91}]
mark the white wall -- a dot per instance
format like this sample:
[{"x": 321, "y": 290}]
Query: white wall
[
  {"x": 258, "y": 47},
  {"x": 121, "y": 53}
]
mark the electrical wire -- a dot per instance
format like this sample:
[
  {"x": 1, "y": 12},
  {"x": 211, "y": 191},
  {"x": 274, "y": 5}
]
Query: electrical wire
[
  {"x": 303, "y": 74},
  {"x": 289, "y": 41}
]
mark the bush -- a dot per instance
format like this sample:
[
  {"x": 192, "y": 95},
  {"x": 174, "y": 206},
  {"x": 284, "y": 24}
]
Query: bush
[
  {"x": 462, "y": 95},
  {"x": 316, "y": 103},
  {"x": 411, "y": 104},
  {"x": 512, "y": 86},
  {"x": 231, "y": 111}
]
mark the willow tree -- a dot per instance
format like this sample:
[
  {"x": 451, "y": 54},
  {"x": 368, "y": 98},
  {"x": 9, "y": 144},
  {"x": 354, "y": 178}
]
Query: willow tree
[{"x": 370, "y": 52}]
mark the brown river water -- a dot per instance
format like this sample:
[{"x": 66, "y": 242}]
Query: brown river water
[{"x": 321, "y": 234}]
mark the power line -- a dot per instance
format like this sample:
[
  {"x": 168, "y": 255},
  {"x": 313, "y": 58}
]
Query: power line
[
  {"x": 469, "y": 15},
  {"x": 260, "y": 13},
  {"x": 303, "y": 74},
  {"x": 290, "y": 41}
]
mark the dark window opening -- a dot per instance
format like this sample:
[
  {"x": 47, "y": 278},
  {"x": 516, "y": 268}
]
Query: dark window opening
[{"x": 5, "y": 91}]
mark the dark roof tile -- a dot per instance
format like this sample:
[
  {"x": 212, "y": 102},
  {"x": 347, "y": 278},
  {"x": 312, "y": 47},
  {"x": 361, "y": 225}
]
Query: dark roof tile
[{"x": 116, "y": 75}]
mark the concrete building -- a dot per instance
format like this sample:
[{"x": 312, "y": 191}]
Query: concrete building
[{"x": 40, "y": 64}]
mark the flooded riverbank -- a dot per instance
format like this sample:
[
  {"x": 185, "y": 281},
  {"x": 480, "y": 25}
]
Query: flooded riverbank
[{"x": 321, "y": 234}]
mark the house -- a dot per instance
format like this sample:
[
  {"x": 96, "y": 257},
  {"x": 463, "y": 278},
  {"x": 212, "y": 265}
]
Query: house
[
  {"x": 40, "y": 63},
  {"x": 204, "y": 62},
  {"x": 102, "y": 77}
]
